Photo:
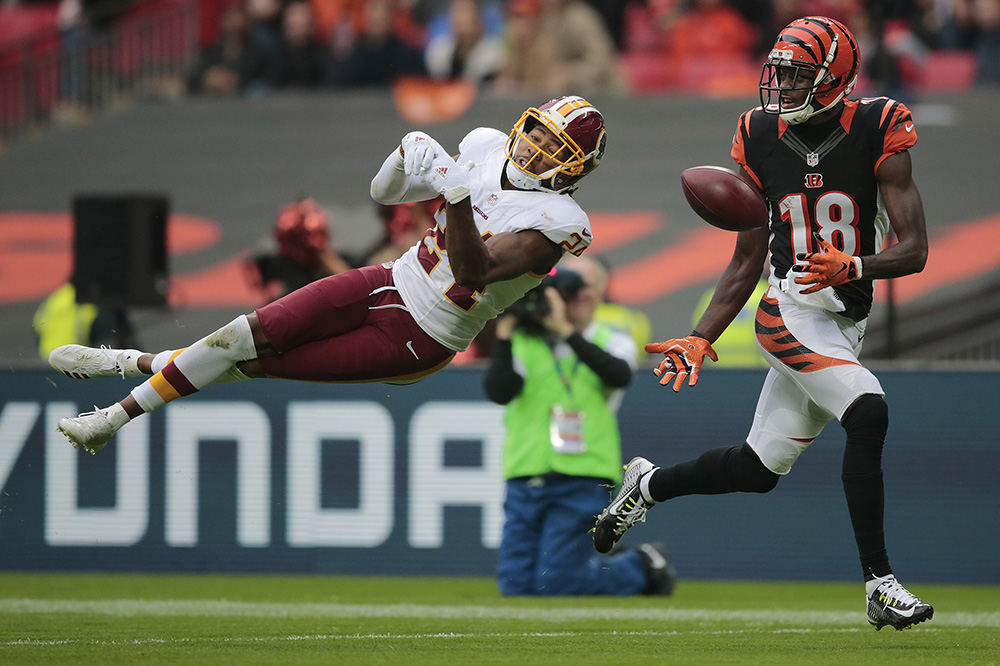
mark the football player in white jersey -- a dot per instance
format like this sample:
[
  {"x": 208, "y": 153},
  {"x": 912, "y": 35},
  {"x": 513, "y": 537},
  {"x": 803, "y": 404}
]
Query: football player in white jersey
[{"x": 506, "y": 221}]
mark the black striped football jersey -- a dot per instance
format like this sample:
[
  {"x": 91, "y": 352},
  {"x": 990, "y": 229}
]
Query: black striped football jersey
[{"x": 820, "y": 179}]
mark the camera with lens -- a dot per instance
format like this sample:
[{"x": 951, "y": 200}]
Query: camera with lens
[{"x": 533, "y": 306}]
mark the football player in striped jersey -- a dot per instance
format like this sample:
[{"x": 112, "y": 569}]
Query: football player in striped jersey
[{"x": 836, "y": 175}]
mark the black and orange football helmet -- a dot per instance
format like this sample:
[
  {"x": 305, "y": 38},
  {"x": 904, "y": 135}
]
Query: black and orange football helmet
[
  {"x": 819, "y": 55},
  {"x": 579, "y": 128}
]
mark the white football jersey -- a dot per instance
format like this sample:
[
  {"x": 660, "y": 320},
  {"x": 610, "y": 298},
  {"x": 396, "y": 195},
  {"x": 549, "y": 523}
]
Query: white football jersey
[{"x": 451, "y": 314}]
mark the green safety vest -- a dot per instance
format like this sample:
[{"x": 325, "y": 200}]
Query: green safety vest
[
  {"x": 60, "y": 320},
  {"x": 569, "y": 383}
]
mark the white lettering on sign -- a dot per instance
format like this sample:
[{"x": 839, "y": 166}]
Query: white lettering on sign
[
  {"x": 187, "y": 425},
  {"x": 311, "y": 425},
  {"x": 125, "y": 523},
  {"x": 309, "y": 524},
  {"x": 434, "y": 486}
]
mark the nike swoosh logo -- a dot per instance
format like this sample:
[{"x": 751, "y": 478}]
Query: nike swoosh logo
[
  {"x": 906, "y": 613},
  {"x": 409, "y": 345},
  {"x": 908, "y": 127}
]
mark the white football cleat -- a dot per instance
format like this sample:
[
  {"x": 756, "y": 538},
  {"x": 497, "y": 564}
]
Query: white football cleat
[
  {"x": 91, "y": 430},
  {"x": 81, "y": 362}
]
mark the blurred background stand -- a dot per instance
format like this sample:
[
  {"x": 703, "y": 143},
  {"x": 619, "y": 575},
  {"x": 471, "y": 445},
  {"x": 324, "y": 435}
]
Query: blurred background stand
[{"x": 119, "y": 260}]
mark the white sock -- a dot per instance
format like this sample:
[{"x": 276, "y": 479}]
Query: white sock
[
  {"x": 117, "y": 415},
  {"x": 875, "y": 582},
  {"x": 644, "y": 485},
  {"x": 199, "y": 365},
  {"x": 129, "y": 359},
  {"x": 160, "y": 360}
]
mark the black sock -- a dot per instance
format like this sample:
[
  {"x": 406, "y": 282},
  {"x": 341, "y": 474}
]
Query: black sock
[
  {"x": 866, "y": 423},
  {"x": 722, "y": 470}
]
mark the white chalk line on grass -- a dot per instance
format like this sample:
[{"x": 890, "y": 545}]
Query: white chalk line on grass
[
  {"x": 223, "y": 608},
  {"x": 236, "y": 640}
]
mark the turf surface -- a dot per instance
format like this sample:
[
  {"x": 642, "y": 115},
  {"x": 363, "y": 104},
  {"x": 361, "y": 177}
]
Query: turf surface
[{"x": 210, "y": 619}]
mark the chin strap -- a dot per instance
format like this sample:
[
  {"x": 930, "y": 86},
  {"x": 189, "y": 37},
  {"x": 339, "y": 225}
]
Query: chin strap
[{"x": 520, "y": 179}]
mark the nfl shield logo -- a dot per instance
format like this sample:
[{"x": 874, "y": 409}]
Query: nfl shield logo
[
  {"x": 812, "y": 159},
  {"x": 492, "y": 199}
]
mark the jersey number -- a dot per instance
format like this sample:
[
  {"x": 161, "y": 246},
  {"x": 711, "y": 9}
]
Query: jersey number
[
  {"x": 462, "y": 297},
  {"x": 834, "y": 218}
]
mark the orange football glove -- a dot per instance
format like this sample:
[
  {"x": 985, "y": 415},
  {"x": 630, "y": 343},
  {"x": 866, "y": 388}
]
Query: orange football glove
[
  {"x": 684, "y": 357},
  {"x": 827, "y": 268}
]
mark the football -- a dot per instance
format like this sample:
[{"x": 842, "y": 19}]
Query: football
[{"x": 723, "y": 198}]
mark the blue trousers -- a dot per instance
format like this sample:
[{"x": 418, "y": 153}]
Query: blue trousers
[{"x": 547, "y": 549}]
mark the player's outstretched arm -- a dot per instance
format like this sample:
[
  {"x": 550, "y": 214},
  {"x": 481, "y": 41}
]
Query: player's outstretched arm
[
  {"x": 683, "y": 357},
  {"x": 736, "y": 283}
]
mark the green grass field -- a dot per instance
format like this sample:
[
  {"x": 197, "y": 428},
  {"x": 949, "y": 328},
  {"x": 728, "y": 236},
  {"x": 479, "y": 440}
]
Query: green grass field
[{"x": 210, "y": 619}]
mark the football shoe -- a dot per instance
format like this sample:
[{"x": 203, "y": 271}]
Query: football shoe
[
  {"x": 81, "y": 362},
  {"x": 889, "y": 603},
  {"x": 628, "y": 507},
  {"x": 91, "y": 430},
  {"x": 661, "y": 577}
]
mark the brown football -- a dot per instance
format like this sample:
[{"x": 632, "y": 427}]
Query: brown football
[{"x": 723, "y": 198}]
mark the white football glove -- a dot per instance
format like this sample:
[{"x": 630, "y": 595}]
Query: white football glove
[
  {"x": 449, "y": 178},
  {"x": 419, "y": 152}
]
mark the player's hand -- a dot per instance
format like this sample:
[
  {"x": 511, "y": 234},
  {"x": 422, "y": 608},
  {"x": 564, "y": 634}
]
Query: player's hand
[
  {"x": 419, "y": 152},
  {"x": 684, "y": 357},
  {"x": 828, "y": 267},
  {"x": 449, "y": 178}
]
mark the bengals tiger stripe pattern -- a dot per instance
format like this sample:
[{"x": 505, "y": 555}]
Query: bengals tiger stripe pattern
[{"x": 777, "y": 340}]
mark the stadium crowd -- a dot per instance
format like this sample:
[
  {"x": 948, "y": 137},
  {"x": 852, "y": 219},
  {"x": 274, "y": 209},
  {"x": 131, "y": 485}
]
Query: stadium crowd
[{"x": 590, "y": 46}]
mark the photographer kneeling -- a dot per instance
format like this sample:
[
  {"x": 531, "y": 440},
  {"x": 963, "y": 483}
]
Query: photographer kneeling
[{"x": 561, "y": 377}]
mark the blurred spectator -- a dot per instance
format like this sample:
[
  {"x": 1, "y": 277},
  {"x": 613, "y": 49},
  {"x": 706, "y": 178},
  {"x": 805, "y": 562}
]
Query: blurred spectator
[
  {"x": 558, "y": 45},
  {"x": 78, "y": 22},
  {"x": 708, "y": 30},
  {"x": 300, "y": 252},
  {"x": 264, "y": 27},
  {"x": 612, "y": 13},
  {"x": 466, "y": 51},
  {"x": 776, "y": 15},
  {"x": 227, "y": 66},
  {"x": 438, "y": 21},
  {"x": 404, "y": 225},
  {"x": 985, "y": 15},
  {"x": 938, "y": 23},
  {"x": 630, "y": 321},
  {"x": 378, "y": 56},
  {"x": 301, "y": 60},
  {"x": 339, "y": 23},
  {"x": 892, "y": 57}
]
